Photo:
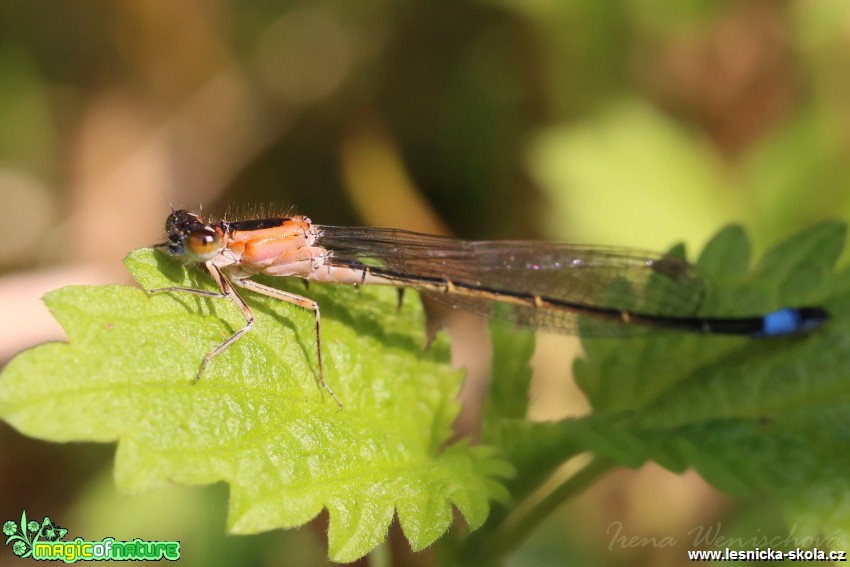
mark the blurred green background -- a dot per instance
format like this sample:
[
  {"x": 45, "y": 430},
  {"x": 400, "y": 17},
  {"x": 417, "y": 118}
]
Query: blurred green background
[{"x": 634, "y": 123}]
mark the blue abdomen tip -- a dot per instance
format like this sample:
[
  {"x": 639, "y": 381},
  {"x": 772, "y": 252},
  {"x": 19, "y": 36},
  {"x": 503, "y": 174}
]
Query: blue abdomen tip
[
  {"x": 781, "y": 322},
  {"x": 790, "y": 320}
]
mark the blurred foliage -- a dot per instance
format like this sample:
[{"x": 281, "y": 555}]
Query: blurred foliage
[
  {"x": 502, "y": 111},
  {"x": 637, "y": 123}
]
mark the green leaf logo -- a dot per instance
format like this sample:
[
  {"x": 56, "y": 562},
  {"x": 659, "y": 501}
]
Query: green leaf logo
[{"x": 25, "y": 534}]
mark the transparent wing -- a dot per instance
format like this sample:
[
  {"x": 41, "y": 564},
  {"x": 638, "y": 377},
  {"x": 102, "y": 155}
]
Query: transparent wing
[{"x": 615, "y": 278}]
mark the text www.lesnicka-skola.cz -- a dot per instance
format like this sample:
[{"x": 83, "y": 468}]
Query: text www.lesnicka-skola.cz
[{"x": 813, "y": 554}]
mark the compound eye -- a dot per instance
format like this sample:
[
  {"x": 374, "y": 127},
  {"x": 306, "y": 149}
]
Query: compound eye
[{"x": 203, "y": 244}]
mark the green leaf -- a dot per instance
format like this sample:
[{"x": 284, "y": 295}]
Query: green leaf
[
  {"x": 750, "y": 415},
  {"x": 257, "y": 418},
  {"x": 511, "y": 374},
  {"x": 746, "y": 412}
]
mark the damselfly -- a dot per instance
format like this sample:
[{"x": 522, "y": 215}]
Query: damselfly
[{"x": 549, "y": 286}]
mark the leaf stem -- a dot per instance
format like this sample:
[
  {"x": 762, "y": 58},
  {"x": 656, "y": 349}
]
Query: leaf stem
[{"x": 515, "y": 530}]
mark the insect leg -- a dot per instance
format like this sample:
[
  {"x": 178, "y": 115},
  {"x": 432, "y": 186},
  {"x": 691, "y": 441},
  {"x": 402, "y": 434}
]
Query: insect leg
[
  {"x": 227, "y": 291},
  {"x": 300, "y": 301}
]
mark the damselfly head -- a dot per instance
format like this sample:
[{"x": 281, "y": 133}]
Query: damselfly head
[{"x": 190, "y": 237}]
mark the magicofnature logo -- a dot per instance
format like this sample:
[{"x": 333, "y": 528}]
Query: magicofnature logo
[{"x": 44, "y": 541}]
